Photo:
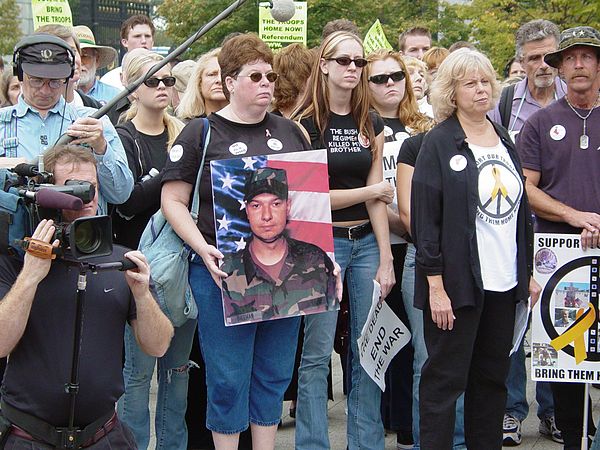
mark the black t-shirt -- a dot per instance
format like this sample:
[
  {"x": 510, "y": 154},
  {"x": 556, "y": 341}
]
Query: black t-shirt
[
  {"x": 40, "y": 364},
  {"x": 394, "y": 130},
  {"x": 410, "y": 150},
  {"x": 158, "y": 148},
  {"x": 349, "y": 159},
  {"x": 228, "y": 139}
]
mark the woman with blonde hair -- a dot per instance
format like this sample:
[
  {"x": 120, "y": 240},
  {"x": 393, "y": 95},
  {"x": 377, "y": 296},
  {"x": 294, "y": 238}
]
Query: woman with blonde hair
[
  {"x": 419, "y": 77},
  {"x": 335, "y": 110},
  {"x": 204, "y": 92},
  {"x": 147, "y": 132},
  {"x": 471, "y": 225}
]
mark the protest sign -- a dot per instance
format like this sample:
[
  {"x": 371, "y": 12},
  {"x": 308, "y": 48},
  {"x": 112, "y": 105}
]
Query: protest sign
[
  {"x": 375, "y": 39},
  {"x": 279, "y": 34},
  {"x": 51, "y": 12},
  {"x": 565, "y": 320},
  {"x": 382, "y": 336}
]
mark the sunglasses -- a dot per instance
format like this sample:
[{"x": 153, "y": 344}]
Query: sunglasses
[
  {"x": 154, "y": 82},
  {"x": 257, "y": 76},
  {"x": 346, "y": 61},
  {"x": 384, "y": 77}
]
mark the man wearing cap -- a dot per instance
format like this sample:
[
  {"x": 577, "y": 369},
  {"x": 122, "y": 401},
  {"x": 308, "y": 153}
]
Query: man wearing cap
[
  {"x": 44, "y": 64},
  {"x": 94, "y": 57},
  {"x": 274, "y": 275},
  {"x": 560, "y": 152}
]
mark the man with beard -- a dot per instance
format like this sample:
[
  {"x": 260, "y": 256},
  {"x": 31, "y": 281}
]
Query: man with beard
[
  {"x": 274, "y": 276},
  {"x": 538, "y": 89},
  {"x": 94, "y": 57}
]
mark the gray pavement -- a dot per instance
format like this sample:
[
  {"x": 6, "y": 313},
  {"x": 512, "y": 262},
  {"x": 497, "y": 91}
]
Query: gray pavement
[{"x": 532, "y": 440}]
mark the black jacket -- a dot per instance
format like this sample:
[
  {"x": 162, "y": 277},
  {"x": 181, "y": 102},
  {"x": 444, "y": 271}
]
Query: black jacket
[
  {"x": 144, "y": 200},
  {"x": 443, "y": 211}
]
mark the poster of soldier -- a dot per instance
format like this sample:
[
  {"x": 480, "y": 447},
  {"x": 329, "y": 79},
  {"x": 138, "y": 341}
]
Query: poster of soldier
[
  {"x": 273, "y": 226},
  {"x": 564, "y": 326}
]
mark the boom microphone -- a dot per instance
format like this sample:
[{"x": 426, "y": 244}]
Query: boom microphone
[
  {"x": 47, "y": 198},
  {"x": 282, "y": 10}
]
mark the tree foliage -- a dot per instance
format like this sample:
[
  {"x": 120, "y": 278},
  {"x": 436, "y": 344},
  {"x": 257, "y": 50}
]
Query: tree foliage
[
  {"x": 490, "y": 24},
  {"x": 9, "y": 26}
]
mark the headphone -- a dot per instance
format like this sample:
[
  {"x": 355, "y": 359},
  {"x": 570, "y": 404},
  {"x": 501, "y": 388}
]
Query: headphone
[{"x": 39, "y": 38}]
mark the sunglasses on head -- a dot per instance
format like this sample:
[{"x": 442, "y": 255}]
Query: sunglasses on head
[
  {"x": 154, "y": 82},
  {"x": 384, "y": 77},
  {"x": 257, "y": 76},
  {"x": 345, "y": 61}
]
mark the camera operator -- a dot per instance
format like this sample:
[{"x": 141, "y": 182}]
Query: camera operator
[
  {"x": 37, "y": 326},
  {"x": 44, "y": 64}
]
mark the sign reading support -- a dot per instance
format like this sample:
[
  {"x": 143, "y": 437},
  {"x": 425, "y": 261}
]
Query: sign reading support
[
  {"x": 565, "y": 320},
  {"x": 279, "y": 34},
  {"x": 47, "y": 12},
  {"x": 375, "y": 39}
]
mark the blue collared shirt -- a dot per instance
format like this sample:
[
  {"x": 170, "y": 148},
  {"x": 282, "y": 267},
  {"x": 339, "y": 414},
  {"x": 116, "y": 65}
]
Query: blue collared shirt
[
  {"x": 524, "y": 105},
  {"x": 103, "y": 92},
  {"x": 24, "y": 133}
]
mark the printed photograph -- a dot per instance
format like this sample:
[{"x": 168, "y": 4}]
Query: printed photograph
[
  {"x": 545, "y": 261},
  {"x": 564, "y": 317},
  {"x": 571, "y": 295},
  {"x": 273, "y": 226},
  {"x": 544, "y": 355}
]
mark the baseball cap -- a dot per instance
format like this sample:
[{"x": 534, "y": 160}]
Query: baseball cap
[
  {"x": 266, "y": 181},
  {"x": 45, "y": 56},
  {"x": 571, "y": 37}
]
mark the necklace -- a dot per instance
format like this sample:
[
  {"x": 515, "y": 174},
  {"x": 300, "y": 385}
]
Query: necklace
[{"x": 584, "y": 139}]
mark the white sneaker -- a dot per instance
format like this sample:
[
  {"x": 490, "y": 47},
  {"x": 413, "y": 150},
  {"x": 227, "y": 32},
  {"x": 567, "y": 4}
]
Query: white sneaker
[{"x": 511, "y": 429}]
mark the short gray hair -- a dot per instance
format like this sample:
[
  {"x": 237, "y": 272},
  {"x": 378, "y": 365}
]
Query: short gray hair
[{"x": 535, "y": 30}]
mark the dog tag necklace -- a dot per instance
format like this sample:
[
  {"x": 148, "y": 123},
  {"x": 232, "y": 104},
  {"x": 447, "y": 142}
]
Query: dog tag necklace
[{"x": 584, "y": 139}]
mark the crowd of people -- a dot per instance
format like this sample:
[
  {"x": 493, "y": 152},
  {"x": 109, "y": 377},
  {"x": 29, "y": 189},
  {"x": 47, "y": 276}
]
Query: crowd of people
[{"x": 442, "y": 175}]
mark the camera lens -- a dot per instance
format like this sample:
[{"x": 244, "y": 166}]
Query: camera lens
[{"x": 88, "y": 237}]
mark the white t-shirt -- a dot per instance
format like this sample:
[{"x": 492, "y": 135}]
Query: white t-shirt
[
  {"x": 113, "y": 78},
  {"x": 500, "y": 193}
]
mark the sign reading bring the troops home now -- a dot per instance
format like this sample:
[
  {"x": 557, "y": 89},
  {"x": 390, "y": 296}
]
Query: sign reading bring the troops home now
[
  {"x": 565, "y": 326},
  {"x": 279, "y": 34},
  {"x": 46, "y": 12}
]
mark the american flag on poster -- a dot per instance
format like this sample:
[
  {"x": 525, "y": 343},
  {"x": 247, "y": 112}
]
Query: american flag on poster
[{"x": 308, "y": 185}]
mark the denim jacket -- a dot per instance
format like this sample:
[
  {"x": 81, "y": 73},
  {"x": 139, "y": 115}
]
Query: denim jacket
[{"x": 443, "y": 213}]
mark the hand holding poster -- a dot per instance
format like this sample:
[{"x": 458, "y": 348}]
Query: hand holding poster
[
  {"x": 565, "y": 319},
  {"x": 382, "y": 336}
]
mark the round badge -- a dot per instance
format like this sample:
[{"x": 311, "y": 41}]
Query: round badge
[
  {"x": 557, "y": 132},
  {"x": 176, "y": 153},
  {"x": 238, "y": 148},
  {"x": 364, "y": 140},
  {"x": 401, "y": 136},
  {"x": 274, "y": 144},
  {"x": 458, "y": 163},
  {"x": 387, "y": 131}
]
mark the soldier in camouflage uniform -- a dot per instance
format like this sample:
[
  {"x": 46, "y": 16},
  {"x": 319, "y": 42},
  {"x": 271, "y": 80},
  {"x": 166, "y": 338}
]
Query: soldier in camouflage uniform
[{"x": 274, "y": 276}]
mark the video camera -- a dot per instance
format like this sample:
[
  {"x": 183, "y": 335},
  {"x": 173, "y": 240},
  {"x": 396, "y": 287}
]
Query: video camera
[{"x": 27, "y": 196}]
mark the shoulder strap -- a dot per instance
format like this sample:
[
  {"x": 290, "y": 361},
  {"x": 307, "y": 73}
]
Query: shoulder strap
[
  {"x": 505, "y": 106},
  {"x": 205, "y": 140}
]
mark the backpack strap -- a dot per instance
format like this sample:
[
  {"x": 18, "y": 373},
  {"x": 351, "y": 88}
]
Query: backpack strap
[
  {"x": 505, "y": 106},
  {"x": 205, "y": 141}
]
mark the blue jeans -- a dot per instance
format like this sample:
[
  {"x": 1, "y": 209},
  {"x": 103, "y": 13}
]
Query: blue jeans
[
  {"x": 359, "y": 260},
  {"x": 415, "y": 317},
  {"x": 248, "y": 367},
  {"x": 516, "y": 383},
  {"x": 171, "y": 402}
]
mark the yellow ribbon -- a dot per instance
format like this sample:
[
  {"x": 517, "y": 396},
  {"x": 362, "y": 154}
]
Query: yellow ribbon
[
  {"x": 584, "y": 320},
  {"x": 499, "y": 186}
]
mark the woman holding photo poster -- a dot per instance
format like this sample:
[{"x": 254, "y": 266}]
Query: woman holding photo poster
[
  {"x": 335, "y": 112},
  {"x": 393, "y": 98},
  {"x": 471, "y": 225},
  {"x": 249, "y": 366}
]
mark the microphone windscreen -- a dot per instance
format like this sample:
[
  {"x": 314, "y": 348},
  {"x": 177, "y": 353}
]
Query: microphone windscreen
[
  {"x": 26, "y": 170},
  {"x": 283, "y": 10},
  {"x": 47, "y": 198}
]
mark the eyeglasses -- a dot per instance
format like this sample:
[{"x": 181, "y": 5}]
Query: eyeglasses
[
  {"x": 384, "y": 77},
  {"x": 257, "y": 76},
  {"x": 154, "y": 82},
  {"x": 38, "y": 83},
  {"x": 346, "y": 61}
]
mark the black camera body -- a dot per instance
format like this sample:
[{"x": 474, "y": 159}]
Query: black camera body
[{"x": 27, "y": 199}]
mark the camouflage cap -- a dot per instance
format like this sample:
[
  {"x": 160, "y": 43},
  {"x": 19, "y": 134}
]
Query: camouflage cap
[
  {"x": 266, "y": 181},
  {"x": 571, "y": 37}
]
